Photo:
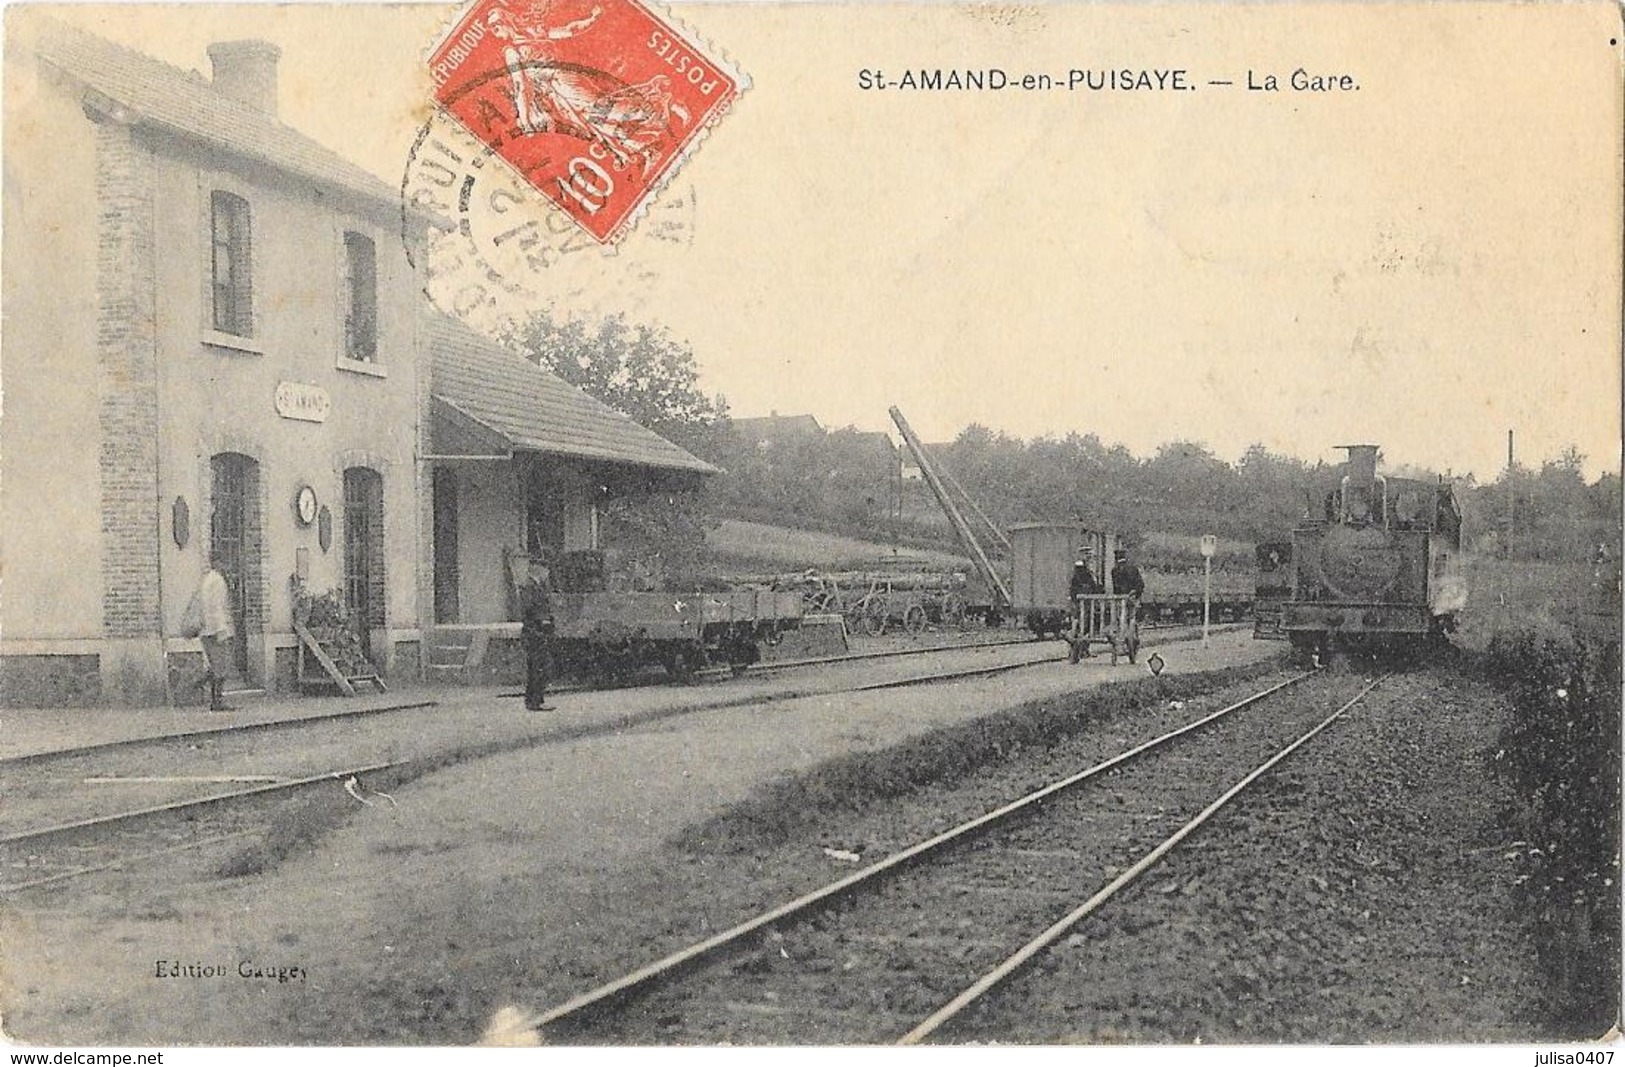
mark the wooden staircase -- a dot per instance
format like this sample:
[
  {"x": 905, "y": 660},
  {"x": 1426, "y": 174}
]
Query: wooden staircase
[
  {"x": 347, "y": 679},
  {"x": 454, "y": 655}
]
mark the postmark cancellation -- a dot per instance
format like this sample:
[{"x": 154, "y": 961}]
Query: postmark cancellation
[{"x": 594, "y": 104}]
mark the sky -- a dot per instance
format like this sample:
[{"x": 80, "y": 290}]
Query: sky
[{"x": 1424, "y": 262}]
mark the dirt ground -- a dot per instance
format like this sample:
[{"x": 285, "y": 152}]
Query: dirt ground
[
  {"x": 1359, "y": 895},
  {"x": 523, "y": 878},
  {"x": 415, "y": 917}
]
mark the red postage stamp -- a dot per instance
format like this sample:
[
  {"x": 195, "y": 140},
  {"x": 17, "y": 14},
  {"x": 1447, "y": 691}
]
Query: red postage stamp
[{"x": 594, "y": 102}]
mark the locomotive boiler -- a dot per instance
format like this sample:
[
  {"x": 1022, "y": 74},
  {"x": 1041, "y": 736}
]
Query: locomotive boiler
[{"x": 1380, "y": 566}]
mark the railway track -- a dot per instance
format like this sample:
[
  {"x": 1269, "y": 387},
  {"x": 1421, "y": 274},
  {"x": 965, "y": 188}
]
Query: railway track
[
  {"x": 11, "y": 763},
  {"x": 49, "y": 855},
  {"x": 295, "y": 723},
  {"x": 756, "y": 669},
  {"x": 907, "y": 946},
  {"x": 200, "y": 736},
  {"x": 178, "y": 776}
]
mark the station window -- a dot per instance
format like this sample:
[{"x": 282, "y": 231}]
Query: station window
[
  {"x": 360, "y": 298},
  {"x": 232, "y": 264}
]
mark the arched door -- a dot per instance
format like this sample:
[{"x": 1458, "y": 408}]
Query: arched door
[
  {"x": 234, "y": 540},
  {"x": 364, "y": 551}
]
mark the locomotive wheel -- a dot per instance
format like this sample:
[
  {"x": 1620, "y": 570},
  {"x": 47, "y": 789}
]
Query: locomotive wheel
[
  {"x": 680, "y": 664},
  {"x": 741, "y": 654},
  {"x": 874, "y": 616},
  {"x": 914, "y": 619},
  {"x": 1304, "y": 648}
]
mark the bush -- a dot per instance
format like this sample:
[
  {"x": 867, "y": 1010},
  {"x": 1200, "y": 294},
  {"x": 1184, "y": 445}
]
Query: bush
[
  {"x": 334, "y": 626},
  {"x": 1561, "y": 755}
]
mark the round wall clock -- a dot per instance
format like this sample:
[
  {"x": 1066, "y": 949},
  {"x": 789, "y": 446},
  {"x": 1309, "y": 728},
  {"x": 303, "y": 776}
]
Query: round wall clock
[{"x": 304, "y": 505}]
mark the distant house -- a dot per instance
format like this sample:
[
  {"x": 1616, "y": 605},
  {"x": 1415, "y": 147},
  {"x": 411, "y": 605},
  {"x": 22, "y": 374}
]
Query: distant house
[
  {"x": 911, "y": 469},
  {"x": 879, "y": 442},
  {"x": 880, "y": 458},
  {"x": 769, "y": 431},
  {"x": 855, "y": 470}
]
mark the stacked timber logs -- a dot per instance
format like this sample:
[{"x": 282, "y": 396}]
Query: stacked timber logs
[{"x": 876, "y": 601}]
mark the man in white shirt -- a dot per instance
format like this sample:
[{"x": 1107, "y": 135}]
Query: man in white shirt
[{"x": 215, "y": 631}]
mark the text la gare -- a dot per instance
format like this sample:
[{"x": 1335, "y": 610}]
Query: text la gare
[{"x": 1303, "y": 81}]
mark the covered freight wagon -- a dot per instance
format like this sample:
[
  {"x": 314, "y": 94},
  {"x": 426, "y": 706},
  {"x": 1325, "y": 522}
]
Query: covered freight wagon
[{"x": 1042, "y": 555}]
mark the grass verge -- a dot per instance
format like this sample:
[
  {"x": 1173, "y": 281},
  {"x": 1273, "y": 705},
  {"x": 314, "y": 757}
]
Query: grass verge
[{"x": 785, "y": 808}]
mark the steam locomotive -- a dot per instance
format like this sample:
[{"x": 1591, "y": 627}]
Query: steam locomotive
[{"x": 1380, "y": 567}]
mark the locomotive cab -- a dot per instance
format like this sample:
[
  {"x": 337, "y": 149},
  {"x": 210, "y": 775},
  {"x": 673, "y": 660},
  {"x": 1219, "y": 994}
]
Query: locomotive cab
[
  {"x": 1272, "y": 587},
  {"x": 1382, "y": 567}
]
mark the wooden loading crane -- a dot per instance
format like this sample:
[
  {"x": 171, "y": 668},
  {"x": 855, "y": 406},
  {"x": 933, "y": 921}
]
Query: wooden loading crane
[{"x": 967, "y": 537}]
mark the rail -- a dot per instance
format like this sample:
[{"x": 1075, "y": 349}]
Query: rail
[
  {"x": 1029, "y": 951},
  {"x": 649, "y": 975}
]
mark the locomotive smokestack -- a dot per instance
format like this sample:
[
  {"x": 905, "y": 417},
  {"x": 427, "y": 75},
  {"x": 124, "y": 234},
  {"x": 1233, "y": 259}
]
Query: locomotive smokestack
[
  {"x": 1364, "y": 493},
  {"x": 1362, "y": 466}
]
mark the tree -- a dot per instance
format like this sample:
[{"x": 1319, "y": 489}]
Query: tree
[
  {"x": 637, "y": 369},
  {"x": 642, "y": 372}
]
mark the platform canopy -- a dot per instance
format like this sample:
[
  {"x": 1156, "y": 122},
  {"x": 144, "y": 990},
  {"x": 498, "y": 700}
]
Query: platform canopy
[{"x": 488, "y": 401}]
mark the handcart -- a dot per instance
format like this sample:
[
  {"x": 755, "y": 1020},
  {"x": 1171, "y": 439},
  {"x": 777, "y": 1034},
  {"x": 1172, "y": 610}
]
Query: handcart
[{"x": 1105, "y": 619}]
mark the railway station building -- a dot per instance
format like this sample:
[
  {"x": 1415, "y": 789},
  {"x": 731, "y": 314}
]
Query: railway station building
[
  {"x": 217, "y": 348},
  {"x": 520, "y": 465}
]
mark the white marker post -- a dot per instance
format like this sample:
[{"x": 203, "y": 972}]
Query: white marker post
[{"x": 1210, "y": 545}]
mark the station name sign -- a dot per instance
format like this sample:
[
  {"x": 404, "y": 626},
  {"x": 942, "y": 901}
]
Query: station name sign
[{"x": 298, "y": 400}]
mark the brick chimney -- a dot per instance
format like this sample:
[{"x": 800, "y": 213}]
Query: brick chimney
[{"x": 246, "y": 72}]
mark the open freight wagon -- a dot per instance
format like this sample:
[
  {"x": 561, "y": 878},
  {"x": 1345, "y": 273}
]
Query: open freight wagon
[{"x": 607, "y": 633}]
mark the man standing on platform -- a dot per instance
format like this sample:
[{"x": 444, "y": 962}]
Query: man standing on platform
[
  {"x": 1127, "y": 580},
  {"x": 536, "y": 632},
  {"x": 208, "y": 617}
]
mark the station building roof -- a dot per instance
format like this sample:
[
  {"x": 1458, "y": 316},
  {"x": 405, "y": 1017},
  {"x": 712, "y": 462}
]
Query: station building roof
[
  {"x": 493, "y": 400},
  {"x": 146, "y": 91}
]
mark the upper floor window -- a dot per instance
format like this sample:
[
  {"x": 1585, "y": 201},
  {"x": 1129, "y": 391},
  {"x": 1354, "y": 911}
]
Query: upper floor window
[
  {"x": 360, "y": 298},
  {"x": 233, "y": 275}
]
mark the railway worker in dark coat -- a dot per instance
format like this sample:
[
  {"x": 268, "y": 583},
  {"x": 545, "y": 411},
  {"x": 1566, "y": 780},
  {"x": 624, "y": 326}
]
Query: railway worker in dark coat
[
  {"x": 536, "y": 632},
  {"x": 1083, "y": 581},
  {"x": 1127, "y": 580}
]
